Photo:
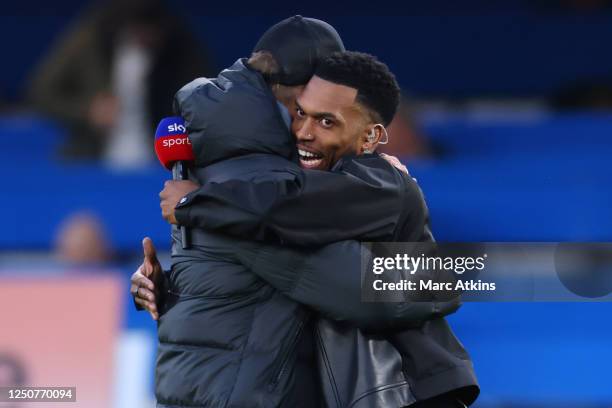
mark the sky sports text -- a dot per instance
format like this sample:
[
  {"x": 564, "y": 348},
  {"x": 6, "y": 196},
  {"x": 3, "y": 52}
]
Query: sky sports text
[
  {"x": 176, "y": 127},
  {"x": 176, "y": 141}
]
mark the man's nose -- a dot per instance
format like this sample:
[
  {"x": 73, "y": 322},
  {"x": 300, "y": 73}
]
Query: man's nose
[{"x": 304, "y": 132}]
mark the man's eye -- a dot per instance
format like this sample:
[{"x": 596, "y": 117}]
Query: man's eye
[
  {"x": 327, "y": 123},
  {"x": 299, "y": 113}
]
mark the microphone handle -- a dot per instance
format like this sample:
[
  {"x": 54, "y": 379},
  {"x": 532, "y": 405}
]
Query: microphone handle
[{"x": 180, "y": 171}]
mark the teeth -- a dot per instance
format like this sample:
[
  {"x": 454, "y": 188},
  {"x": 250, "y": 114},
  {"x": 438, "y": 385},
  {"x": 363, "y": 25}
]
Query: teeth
[{"x": 305, "y": 153}]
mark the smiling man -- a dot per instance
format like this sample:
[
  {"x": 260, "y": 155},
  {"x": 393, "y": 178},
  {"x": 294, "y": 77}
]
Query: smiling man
[
  {"x": 334, "y": 119},
  {"x": 327, "y": 123}
]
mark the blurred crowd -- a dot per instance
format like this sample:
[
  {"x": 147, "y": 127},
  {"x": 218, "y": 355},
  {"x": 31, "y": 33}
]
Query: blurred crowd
[{"x": 112, "y": 76}]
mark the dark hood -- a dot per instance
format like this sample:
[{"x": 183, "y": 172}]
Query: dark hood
[{"x": 233, "y": 115}]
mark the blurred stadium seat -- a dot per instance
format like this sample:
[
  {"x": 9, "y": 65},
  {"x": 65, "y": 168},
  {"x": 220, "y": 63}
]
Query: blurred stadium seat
[{"x": 27, "y": 137}]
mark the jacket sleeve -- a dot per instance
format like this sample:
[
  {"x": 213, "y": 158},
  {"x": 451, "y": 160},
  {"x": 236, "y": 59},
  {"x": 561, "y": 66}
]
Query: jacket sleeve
[
  {"x": 328, "y": 280},
  {"x": 363, "y": 199}
]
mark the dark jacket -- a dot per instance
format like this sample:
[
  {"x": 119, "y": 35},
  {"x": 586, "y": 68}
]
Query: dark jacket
[{"x": 219, "y": 269}]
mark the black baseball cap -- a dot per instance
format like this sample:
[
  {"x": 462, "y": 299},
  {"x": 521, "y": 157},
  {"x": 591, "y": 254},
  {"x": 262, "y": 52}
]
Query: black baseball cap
[{"x": 297, "y": 44}]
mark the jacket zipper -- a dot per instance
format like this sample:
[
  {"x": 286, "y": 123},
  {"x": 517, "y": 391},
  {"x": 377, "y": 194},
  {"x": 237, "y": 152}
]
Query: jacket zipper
[{"x": 286, "y": 354}]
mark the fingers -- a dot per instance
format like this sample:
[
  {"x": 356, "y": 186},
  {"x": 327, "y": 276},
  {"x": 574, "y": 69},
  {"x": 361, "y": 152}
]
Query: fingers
[
  {"x": 151, "y": 263},
  {"x": 145, "y": 294},
  {"x": 140, "y": 280},
  {"x": 143, "y": 291},
  {"x": 165, "y": 211},
  {"x": 149, "y": 307},
  {"x": 167, "y": 185},
  {"x": 147, "y": 304},
  {"x": 395, "y": 162},
  {"x": 150, "y": 253},
  {"x": 147, "y": 268}
]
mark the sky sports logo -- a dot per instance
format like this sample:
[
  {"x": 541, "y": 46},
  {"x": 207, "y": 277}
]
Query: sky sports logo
[
  {"x": 171, "y": 126},
  {"x": 177, "y": 127},
  {"x": 176, "y": 141},
  {"x": 171, "y": 142}
]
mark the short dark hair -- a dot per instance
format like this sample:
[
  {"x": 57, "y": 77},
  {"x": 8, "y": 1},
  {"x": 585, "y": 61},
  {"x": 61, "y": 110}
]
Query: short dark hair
[{"x": 376, "y": 86}]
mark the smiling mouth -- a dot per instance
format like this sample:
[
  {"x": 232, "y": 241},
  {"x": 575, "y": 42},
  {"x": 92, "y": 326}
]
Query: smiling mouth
[{"x": 310, "y": 160}]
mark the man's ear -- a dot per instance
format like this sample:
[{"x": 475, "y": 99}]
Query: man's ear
[{"x": 371, "y": 139}]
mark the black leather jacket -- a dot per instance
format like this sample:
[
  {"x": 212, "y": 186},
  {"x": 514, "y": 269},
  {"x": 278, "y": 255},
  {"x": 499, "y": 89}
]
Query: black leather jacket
[{"x": 419, "y": 357}]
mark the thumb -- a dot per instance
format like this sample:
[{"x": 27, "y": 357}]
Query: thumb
[{"x": 149, "y": 250}]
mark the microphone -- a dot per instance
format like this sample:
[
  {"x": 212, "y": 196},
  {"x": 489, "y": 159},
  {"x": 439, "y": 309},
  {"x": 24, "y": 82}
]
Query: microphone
[{"x": 175, "y": 153}]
